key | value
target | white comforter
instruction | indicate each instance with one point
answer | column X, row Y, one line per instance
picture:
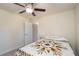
column 32, row 51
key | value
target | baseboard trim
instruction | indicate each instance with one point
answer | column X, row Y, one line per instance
column 10, row 50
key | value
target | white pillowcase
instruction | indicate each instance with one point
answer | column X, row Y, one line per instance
column 54, row 37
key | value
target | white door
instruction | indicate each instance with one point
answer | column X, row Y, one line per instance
column 28, row 33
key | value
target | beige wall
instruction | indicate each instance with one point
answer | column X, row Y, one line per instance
column 62, row 24
column 77, row 26
column 11, row 31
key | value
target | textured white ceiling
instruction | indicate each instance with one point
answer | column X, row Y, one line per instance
column 51, row 8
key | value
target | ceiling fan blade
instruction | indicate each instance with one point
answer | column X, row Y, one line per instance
column 22, row 11
column 39, row 9
column 33, row 14
column 19, row 4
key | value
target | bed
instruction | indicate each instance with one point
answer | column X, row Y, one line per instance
column 47, row 47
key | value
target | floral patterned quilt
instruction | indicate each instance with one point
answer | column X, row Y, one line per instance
column 46, row 47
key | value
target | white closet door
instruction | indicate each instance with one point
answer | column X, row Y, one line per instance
column 28, row 33
column 35, row 32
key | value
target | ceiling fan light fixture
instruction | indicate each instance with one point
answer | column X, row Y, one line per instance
column 29, row 10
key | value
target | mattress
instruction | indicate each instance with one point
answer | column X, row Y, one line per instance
column 47, row 47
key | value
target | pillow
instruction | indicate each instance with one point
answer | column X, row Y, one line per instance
column 54, row 38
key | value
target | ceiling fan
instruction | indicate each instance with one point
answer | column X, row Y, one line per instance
column 29, row 8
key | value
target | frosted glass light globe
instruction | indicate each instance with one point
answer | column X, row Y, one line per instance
column 29, row 10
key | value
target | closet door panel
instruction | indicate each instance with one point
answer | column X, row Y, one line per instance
column 28, row 33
